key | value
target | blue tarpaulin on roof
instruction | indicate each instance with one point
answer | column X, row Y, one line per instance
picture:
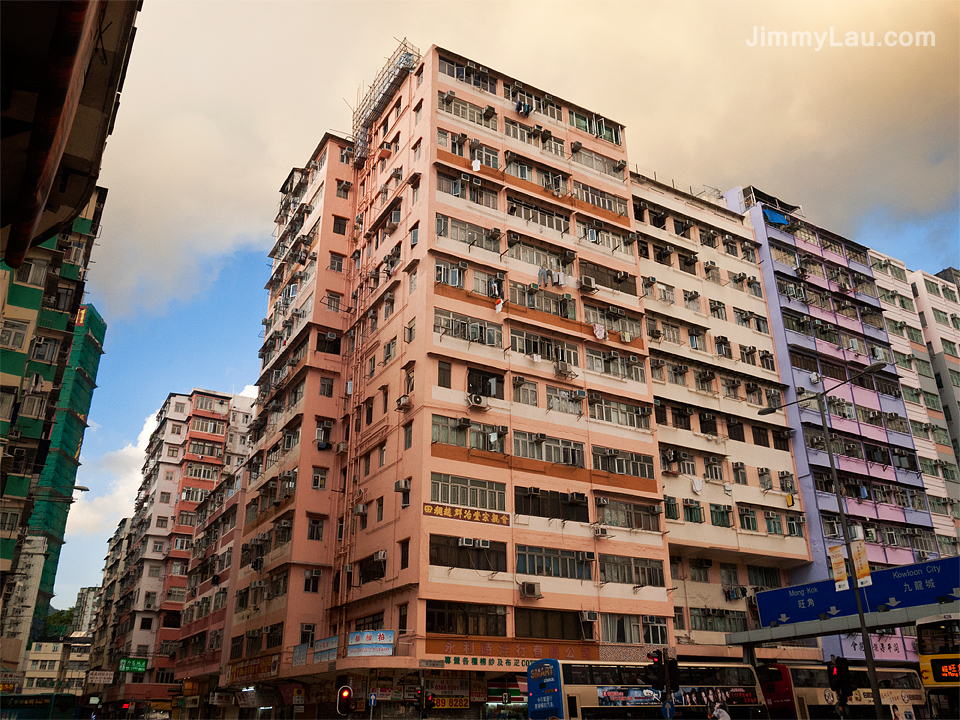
column 774, row 217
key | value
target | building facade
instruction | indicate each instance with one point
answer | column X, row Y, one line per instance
column 57, row 665
column 45, row 391
column 85, row 609
column 828, row 323
column 508, row 388
column 106, row 619
column 196, row 439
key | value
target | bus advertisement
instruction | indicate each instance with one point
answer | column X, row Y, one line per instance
column 608, row 691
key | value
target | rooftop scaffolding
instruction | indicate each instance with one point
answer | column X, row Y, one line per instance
column 387, row 82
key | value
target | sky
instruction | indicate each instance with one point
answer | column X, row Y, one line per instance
column 222, row 98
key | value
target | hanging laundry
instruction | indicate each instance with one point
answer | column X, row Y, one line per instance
column 543, row 275
column 626, row 337
column 600, row 332
column 562, row 279
column 498, row 306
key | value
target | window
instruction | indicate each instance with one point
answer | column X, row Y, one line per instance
column 314, row 529
column 467, row 492
column 625, row 629
column 404, row 551
column 729, row 574
column 748, row 519
column 448, row 551
column 443, row 374
column 340, row 225
column 467, row 618
column 763, row 576
column 698, row 572
column 631, row 571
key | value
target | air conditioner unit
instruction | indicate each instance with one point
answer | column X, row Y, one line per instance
column 564, row 368
column 589, row 616
column 402, row 485
column 478, row 401
column 465, row 542
column 449, row 96
column 341, row 448
column 588, row 283
column 315, row 572
column 360, row 509
column 656, row 510
column 540, row 437
column 533, row 491
column 530, row 590
column 770, row 514
column 380, row 556
column 687, row 502
column 611, row 452
column 404, row 403
column 600, row 532
column 577, row 497
column 602, row 501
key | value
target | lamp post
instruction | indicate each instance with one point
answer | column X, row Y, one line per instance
column 864, row 634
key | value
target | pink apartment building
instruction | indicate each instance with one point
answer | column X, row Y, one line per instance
column 200, row 438
column 466, row 455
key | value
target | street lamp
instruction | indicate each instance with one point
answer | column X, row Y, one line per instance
column 864, row 635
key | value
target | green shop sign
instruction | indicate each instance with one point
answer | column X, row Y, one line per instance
column 135, row 665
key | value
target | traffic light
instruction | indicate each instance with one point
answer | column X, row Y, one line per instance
column 418, row 698
column 841, row 683
column 834, row 674
column 673, row 675
column 429, row 703
column 654, row 671
column 344, row 699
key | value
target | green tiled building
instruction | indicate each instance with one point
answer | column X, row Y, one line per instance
column 49, row 354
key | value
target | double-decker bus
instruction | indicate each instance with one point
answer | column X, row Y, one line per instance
column 802, row 692
column 938, row 643
column 614, row 691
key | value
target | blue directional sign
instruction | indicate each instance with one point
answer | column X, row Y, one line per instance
column 800, row 603
column 904, row 586
column 912, row 585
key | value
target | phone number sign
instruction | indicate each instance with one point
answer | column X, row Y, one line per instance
column 452, row 703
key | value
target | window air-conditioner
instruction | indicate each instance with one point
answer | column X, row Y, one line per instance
column 530, row 590
column 589, row 615
column 380, row 555
column 465, row 542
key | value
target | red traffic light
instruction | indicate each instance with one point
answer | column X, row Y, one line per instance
column 345, row 693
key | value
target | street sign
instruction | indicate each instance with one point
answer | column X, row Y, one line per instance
column 668, row 710
column 100, row 677
column 372, row 699
column 134, row 665
column 905, row 586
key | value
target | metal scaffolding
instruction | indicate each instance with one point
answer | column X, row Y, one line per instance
column 387, row 82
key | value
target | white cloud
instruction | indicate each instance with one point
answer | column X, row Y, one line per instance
column 118, row 473
column 250, row 391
